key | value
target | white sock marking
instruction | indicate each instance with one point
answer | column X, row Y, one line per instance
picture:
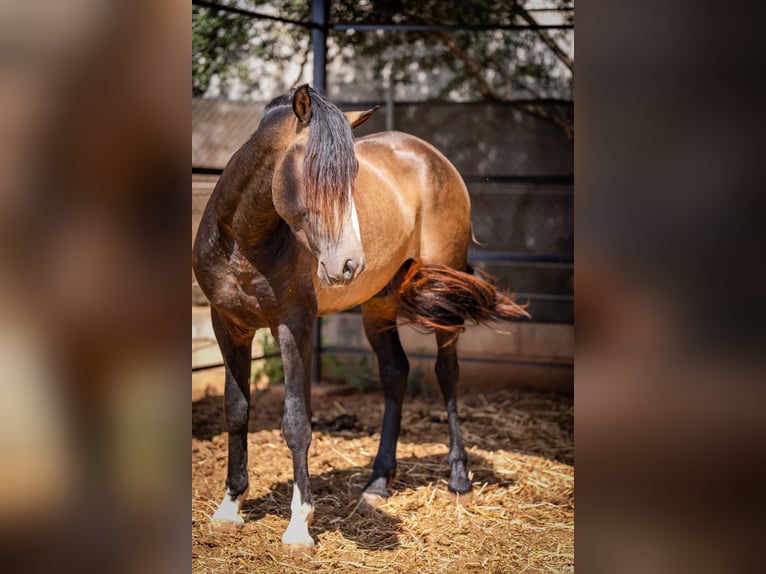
column 228, row 510
column 302, row 515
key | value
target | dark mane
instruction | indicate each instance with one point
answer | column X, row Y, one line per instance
column 329, row 166
column 283, row 100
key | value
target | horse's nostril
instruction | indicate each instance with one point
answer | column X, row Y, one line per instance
column 349, row 267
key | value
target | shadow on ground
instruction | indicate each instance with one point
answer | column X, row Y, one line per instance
column 337, row 494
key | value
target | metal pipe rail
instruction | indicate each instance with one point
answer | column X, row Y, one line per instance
column 371, row 27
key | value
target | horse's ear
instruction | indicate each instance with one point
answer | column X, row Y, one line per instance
column 357, row 118
column 302, row 104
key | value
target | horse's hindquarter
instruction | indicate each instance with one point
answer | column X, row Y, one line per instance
column 432, row 192
column 411, row 204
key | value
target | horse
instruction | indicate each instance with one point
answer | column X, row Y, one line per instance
column 306, row 220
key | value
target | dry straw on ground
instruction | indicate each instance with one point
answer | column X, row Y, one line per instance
column 520, row 517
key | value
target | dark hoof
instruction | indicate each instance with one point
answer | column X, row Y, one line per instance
column 459, row 483
column 460, row 486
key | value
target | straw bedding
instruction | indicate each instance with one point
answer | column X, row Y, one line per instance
column 519, row 518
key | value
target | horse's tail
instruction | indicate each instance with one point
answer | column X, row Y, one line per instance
column 439, row 298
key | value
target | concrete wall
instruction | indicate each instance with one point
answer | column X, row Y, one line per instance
column 505, row 354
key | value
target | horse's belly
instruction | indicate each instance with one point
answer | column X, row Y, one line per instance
column 334, row 299
column 376, row 276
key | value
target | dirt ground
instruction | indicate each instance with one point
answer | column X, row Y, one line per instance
column 520, row 517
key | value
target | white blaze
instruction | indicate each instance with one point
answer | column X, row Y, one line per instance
column 355, row 218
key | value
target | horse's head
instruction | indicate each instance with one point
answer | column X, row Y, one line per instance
column 313, row 185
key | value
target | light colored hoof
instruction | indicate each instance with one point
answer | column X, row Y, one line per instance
column 302, row 550
column 371, row 501
column 227, row 524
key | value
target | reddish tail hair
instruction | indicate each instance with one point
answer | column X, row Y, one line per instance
column 437, row 297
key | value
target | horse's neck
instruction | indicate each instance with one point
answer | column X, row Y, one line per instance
column 244, row 206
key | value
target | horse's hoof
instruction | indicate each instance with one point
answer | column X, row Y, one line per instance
column 371, row 501
column 375, row 494
column 226, row 517
column 228, row 524
column 459, row 484
column 302, row 550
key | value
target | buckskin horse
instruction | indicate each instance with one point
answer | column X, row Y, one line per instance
column 306, row 221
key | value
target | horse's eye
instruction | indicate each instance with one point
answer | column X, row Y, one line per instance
column 298, row 219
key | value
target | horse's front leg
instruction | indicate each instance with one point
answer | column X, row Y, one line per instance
column 236, row 350
column 294, row 336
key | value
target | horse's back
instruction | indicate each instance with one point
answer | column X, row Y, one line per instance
column 424, row 184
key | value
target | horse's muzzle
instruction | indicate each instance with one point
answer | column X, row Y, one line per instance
column 350, row 271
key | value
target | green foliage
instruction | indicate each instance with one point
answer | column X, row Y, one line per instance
column 219, row 42
column 272, row 369
column 418, row 383
column 355, row 373
column 483, row 65
column 488, row 65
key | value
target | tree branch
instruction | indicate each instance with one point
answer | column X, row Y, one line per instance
column 486, row 90
column 547, row 40
column 545, row 114
column 472, row 67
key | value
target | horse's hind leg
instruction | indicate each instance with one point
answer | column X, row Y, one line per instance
column 447, row 372
column 235, row 347
column 394, row 368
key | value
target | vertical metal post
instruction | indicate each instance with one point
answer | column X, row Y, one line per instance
column 320, row 12
column 390, row 99
column 316, row 354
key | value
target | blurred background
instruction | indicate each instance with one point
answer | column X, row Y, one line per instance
column 94, row 276
column 94, row 380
